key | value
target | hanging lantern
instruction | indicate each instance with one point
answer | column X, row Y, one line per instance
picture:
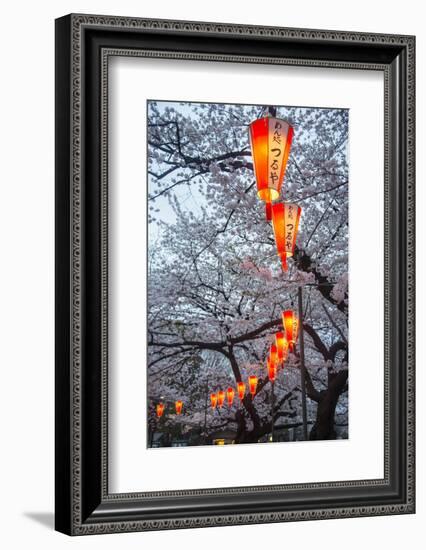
column 291, row 327
column 178, row 405
column 285, row 220
column 213, row 400
column 272, row 370
column 160, row 409
column 273, row 354
column 230, row 396
column 253, row 385
column 282, row 346
column 220, row 398
column 241, row 388
column 270, row 141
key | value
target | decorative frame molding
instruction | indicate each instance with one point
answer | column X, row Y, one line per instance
column 84, row 43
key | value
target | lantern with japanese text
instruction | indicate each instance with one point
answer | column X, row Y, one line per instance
column 160, row 409
column 252, row 385
column 213, row 400
column 220, row 398
column 270, row 141
column 285, row 221
column 282, row 346
column 241, row 388
column 291, row 327
column 230, row 395
column 178, row 405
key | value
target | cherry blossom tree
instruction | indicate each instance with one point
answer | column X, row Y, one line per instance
column 216, row 289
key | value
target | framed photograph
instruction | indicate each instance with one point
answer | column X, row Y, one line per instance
column 234, row 274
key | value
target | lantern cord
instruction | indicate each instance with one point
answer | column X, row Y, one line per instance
column 308, row 306
column 271, row 110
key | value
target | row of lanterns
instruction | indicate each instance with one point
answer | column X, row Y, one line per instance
column 217, row 399
column 270, row 141
column 278, row 353
column 284, row 342
column 160, row 407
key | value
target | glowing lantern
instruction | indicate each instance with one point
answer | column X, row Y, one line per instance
column 291, row 327
column 160, row 409
column 220, row 398
column 230, row 396
column 178, row 406
column 272, row 370
column 273, row 354
column 253, row 385
column 241, row 388
column 285, row 220
column 270, row 141
column 282, row 346
column 213, row 400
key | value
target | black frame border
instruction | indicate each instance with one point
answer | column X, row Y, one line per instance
column 83, row 45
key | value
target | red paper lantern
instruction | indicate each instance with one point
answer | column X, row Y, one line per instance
column 273, row 354
column 272, row 370
column 241, row 388
column 220, row 398
column 230, row 396
column 178, row 405
column 160, row 409
column 270, row 141
column 291, row 327
column 253, row 385
column 285, row 221
column 282, row 346
column 213, row 400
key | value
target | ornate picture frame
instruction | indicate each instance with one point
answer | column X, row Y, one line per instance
column 84, row 44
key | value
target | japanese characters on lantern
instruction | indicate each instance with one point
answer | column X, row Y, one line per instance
column 270, row 140
column 282, row 346
column 253, row 385
column 285, row 221
column 159, row 409
column 230, row 395
column 241, row 388
column 178, row 406
column 213, row 400
column 291, row 327
column 220, row 398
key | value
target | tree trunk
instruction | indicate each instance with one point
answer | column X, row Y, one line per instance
column 324, row 423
